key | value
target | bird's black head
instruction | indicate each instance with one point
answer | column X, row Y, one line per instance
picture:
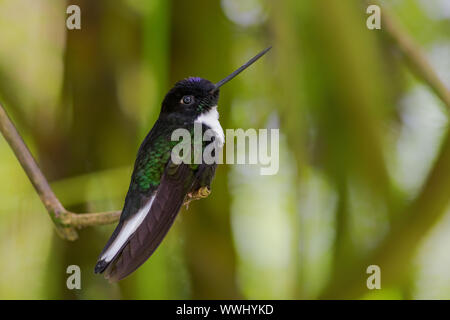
column 193, row 96
column 190, row 97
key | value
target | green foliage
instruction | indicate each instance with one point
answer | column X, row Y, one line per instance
column 363, row 170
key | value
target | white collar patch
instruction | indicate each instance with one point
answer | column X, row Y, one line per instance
column 211, row 119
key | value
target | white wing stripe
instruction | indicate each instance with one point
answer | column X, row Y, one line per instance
column 129, row 227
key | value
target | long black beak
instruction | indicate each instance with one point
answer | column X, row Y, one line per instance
column 240, row 69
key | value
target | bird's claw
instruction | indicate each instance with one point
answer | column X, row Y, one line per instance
column 201, row 193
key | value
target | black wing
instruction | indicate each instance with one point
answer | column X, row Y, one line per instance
column 176, row 182
column 135, row 199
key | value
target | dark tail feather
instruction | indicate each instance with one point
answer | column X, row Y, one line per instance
column 147, row 237
column 145, row 240
column 102, row 264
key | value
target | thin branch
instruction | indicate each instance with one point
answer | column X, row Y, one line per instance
column 91, row 219
column 396, row 251
column 40, row 183
column 414, row 57
column 65, row 221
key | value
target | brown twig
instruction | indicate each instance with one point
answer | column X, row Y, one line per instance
column 65, row 221
column 91, row 219
column 415, row 57
column 48, row 198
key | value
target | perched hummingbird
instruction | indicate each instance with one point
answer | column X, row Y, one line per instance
column 159, row 187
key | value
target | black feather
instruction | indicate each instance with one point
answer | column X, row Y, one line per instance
column 147, row 237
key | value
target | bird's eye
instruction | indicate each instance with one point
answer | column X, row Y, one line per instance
column 187, row 100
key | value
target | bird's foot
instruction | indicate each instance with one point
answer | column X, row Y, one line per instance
column 201, row 193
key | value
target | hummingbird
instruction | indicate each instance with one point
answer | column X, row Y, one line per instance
column 160, row 186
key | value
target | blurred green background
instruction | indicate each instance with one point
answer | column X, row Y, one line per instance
column 363, row 173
